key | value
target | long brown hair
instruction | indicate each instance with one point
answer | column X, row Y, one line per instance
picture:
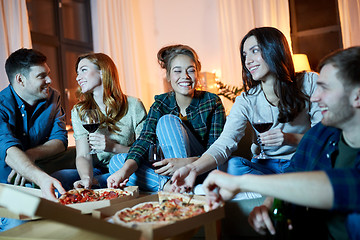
column 114, row 99
column 276, row 53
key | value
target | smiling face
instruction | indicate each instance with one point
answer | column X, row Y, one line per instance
column 254, row 61
column 183, row 75
column 36, row 83
column 88, row 76
column 332, row 98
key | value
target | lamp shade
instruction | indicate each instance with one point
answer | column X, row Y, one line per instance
column 301, row 62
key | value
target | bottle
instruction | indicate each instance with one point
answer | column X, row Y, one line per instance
column 280, row 217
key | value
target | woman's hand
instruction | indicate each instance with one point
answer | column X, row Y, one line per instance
column 276, row 137
column 167, row 167
column 101, row 142
column 183, row 179
column 85, row 183
column 117, row 179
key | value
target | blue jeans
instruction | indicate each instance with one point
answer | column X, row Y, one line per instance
column 353, row 225
column 67, row 177
column 239, row 166
column 8, row 223
column 176, row 141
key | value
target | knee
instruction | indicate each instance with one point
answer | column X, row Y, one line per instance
column 167, row 120
column 237, row 161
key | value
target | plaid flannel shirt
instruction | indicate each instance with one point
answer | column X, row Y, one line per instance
column 317, row 149
column 205, row 114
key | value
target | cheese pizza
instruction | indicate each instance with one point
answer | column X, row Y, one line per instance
column 171, row 207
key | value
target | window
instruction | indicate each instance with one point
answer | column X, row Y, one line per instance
column 61, row 29
column 315, row 28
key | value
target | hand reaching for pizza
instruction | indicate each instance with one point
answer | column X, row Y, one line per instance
column 48, row 186
column 167, row 167
column 85, row 183
column 220, row 186
column 183, row 179
column 117, row 180
column 16, row 179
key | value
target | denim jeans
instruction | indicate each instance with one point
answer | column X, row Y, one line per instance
column 67, row 177
column 8, row 223
column 239, row 166
column 176, row 141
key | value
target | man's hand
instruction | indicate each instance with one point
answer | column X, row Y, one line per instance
column 220, row 186
column 183, row 179
column 16, row 179
column 48, row 187
column 260, row 220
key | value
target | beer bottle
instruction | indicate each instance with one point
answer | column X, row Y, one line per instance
column 279, row 214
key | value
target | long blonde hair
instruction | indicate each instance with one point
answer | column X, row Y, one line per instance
column 114, row 99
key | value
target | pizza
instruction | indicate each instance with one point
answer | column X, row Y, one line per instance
column 82, row 195
column 170, row 208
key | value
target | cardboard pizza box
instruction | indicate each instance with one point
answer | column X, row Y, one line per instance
column 153, row 231
column 4, row 212
column 24, row 203
column 88, row 207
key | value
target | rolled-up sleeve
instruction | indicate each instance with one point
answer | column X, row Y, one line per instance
column 7, row 138
column 59, row 126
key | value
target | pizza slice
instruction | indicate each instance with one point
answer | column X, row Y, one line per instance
column 82, row 195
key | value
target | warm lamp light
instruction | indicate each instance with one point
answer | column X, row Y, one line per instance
column 301, row 62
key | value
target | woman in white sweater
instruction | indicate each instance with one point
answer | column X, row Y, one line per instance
column 121, row 121
column 269, row 80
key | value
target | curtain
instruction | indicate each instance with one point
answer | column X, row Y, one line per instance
column 117, row 33
column 349, row 11
column 14, row 32
column 236, row 18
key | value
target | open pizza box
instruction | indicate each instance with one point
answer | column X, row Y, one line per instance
column 163, row 231
column 85, row 208
column 23, row 203
column 88, row 207
column 5, row 212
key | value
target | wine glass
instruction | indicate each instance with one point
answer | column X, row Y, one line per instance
column 156, row 154
column 262, row 120
column 90, row 120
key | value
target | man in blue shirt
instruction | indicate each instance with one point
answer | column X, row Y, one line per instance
column 325, row 170
column 32, row 122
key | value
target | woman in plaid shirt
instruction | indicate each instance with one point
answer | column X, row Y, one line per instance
column 183, row 123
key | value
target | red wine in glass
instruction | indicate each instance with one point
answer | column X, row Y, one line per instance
column 262, row 127
column 155, row 154
column 91, row 127
column 262, row 120
column 90, row 120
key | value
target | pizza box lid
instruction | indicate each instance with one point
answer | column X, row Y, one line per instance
column 4, row 212
column 153, row 231
column 27, row 204
column 88, row 207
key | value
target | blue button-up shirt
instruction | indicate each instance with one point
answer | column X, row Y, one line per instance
column 316, row 151
column 46, row 122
